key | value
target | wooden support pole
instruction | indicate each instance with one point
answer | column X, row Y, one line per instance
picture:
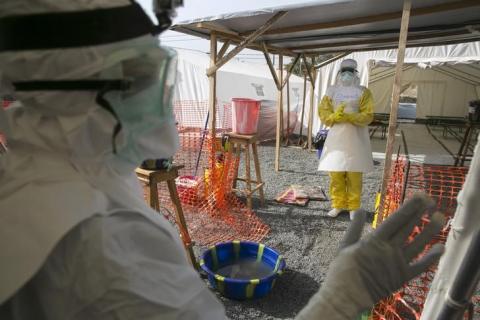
column 290, row 69
column 270, row 65
column 312, row 112
column 278, row 137
column 249, row 39
column 300, row 139
column 223, row 49
column 224, row 33
column 212, row 98
column 309, row 69
column 287, row 134
column 282, row 123
column 381, row 40
column 397, row 86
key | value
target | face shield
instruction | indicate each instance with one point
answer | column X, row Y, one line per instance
column 145, row 111
column 348, row 77
column 122, row 69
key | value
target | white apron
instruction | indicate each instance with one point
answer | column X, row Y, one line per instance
column 347, row 147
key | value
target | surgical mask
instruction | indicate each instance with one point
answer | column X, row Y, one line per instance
column 347, row 77
column 145, row 110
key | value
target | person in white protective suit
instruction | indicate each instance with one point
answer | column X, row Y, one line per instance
column 77, row 240
column 347, row 108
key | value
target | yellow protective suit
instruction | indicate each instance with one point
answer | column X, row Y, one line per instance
column 345, row 185
column 346, row 190
column 362, row 118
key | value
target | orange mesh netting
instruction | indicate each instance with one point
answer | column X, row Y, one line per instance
column 441, row 183
column 212, row 211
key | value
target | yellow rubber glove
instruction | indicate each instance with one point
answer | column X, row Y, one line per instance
column 326, row 113
column 339, row 114
column 365, row 115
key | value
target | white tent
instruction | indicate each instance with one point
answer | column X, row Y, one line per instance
column 234, row 80
column 447, row 77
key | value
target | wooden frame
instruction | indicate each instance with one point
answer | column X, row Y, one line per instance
column 389, row 46
column 392, row 126
column 311, row 113
column 300, row 138
column 378, row 40
column 286, row 137
column 278, row 136
column 224, row 49
column 246, row 41
column 270, row 65
column 212, row 79
column 290, row 69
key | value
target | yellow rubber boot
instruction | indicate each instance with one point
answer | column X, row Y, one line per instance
column 354, row 190
column 338, row 189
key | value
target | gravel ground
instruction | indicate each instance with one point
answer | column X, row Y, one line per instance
column 305, row 236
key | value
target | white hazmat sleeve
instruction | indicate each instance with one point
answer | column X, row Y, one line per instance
column 118, row 267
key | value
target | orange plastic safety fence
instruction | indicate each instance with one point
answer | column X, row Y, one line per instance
column 441, row 183
column 193, row 114
column 212, row 211
column 395, row 187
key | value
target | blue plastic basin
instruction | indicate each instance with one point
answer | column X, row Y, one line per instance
column 226, row 254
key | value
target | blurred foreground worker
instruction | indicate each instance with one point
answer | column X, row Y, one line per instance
column 77, row 240
column 347, row 108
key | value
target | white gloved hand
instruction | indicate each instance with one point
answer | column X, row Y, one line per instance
column 372, row 268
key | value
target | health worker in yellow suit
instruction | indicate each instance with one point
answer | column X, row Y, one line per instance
column 347, row 108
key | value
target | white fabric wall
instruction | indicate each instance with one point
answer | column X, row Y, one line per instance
column 426, row 56
column 234, row 80
column 439, row 94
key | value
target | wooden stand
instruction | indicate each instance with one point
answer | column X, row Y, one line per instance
column 151, row 178
column 238, row 141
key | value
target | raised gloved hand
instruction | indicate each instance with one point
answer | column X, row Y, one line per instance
column 372, row 268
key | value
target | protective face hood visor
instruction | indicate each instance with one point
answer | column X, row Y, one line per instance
column 144, row 111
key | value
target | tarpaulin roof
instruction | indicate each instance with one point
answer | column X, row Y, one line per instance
column 346, row 25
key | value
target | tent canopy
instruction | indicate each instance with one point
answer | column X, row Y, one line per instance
column 345, row 25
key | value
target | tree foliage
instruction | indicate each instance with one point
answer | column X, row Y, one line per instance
column 300, row 66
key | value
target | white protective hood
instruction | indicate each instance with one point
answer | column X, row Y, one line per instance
column 60, row 169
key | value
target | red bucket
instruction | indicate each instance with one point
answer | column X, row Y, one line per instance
column 245, row 114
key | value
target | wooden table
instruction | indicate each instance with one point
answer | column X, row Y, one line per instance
column 237, row 142
column 152, row 178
